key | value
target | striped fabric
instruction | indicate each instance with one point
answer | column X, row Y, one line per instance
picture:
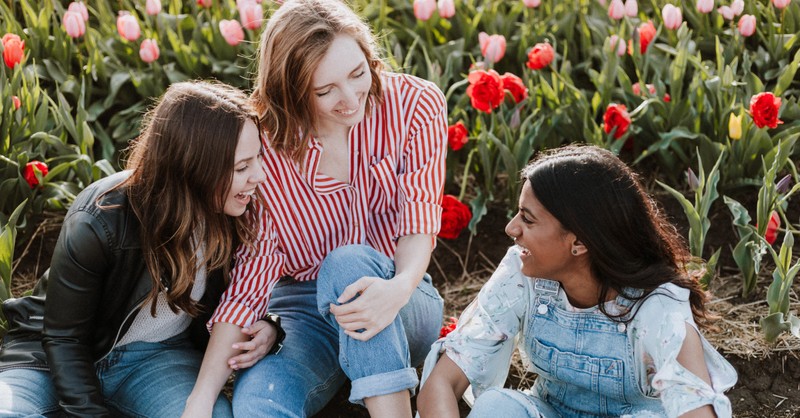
column 395, row 189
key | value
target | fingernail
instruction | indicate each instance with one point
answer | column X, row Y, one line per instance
column 235, row 346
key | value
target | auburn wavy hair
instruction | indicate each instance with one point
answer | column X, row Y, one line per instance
column 295, row 40
column 181, row 171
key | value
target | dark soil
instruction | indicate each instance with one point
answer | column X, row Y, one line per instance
column 767, row 387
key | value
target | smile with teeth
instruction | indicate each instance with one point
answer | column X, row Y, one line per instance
column 347, row 112
column 245, row 196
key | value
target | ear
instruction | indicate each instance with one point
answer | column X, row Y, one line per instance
column 578, row 248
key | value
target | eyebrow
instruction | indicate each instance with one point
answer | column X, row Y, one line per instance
column 360, row 66
column 527, row 212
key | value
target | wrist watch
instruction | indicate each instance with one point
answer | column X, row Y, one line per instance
column 275, row 320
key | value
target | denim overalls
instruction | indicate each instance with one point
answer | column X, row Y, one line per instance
column 584, row 360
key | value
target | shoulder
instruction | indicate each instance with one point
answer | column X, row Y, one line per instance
column 402, row 88
column 666, row 299
column 102, row 208
column 508, row 286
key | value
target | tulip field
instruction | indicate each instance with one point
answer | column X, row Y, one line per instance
column 701, row 97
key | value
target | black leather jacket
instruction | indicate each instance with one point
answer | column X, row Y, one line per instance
column 96, row 283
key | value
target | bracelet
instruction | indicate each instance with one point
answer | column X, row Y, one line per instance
column 275, row 320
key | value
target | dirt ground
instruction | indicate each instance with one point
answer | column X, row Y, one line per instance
column 769, row 376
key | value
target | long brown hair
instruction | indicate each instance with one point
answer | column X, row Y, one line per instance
column 631, row 245
column 182, row 167
column 293, row 44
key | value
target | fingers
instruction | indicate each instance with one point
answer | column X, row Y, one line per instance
column 247, row 359
column 361, row 336
column 354, row 289
column 255, row 327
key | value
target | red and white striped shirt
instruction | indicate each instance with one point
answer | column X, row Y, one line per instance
column 397, row 172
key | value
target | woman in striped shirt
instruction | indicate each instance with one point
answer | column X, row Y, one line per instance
column 355, row 170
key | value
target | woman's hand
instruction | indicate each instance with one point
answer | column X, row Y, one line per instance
column 377, row 303
column 262, row 337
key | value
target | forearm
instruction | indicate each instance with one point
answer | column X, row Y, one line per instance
column 411, row 260
column 214, row 371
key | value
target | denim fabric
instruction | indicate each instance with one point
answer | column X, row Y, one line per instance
column 509, row 403
column 317, row 357
column 27, row 393
column 137, row 380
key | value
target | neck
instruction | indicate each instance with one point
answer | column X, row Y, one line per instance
column 583, row 290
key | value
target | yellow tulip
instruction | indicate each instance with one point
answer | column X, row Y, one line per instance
column 735, row 126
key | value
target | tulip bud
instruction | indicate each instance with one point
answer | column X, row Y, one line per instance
column 73, row 24
column 17, row 103
column 148, row 51
column 705, row 6
column 747, row 25
column 771, row 234
column 737, row 6
column 80, row 8
column 493, row 47
column 631, row 8
column 152, row 7
column 781, row 4
column 617, row 45
column 232, row 31
column 726, row 12
column 735, row 126
column 423, row 9
column 251, row 14
column 531, row 4
column 13, row 49
column 616, row 10
column 447, row 9
column 30, row 170
column 205, row 3
column 691, row 178
column 783, row 184
column 128, row 26
column 672, row 16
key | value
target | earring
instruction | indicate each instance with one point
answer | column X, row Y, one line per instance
column 574, row 252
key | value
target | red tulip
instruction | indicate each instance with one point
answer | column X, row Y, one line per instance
column 205, row 3
column 647, row 31
column 515, row 86
column 17, row 103
column 540, row 56
column 30, row 170
column 616, row 116
column 485, row 90
column 457, row 136
column 771, row 234
column 455, row 217
column 13, row 49
column 448, row 327
column 764, row 109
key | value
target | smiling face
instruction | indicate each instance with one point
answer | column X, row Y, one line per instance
column 546, row 245
column 340, row 86
column 247, row 171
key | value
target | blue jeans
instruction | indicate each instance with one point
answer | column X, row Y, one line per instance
column 317, row 356
column 137, row 380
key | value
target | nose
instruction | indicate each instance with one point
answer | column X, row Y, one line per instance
column 511, row 228
column 350, row 98
column 259, row 176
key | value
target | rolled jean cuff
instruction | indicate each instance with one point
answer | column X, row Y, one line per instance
column 383, row 384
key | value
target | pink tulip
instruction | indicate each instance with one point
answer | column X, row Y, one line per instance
column 672, row 16
column 531, row 3
column 251, row 14
column 79, row 8
column 747, row 25
column 205, row 3
column 152, row 7
column 617, row 44
column 781, row 4
column 148, row 51
column 73, row 24
column 616, row 10
column 705, row 6
column 631, row 8
column 232, row 31
column 128, row 26
column 493, row 47
column 737, row 6
column 423, row 9
column 726, row 12
column 447, row 9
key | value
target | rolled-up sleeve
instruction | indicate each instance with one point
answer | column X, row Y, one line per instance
column 256, row 269
column 422, row 180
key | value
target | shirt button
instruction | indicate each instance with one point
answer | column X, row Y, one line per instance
column 541, row 309
column 621, row 327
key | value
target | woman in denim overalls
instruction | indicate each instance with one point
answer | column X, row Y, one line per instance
column 611, row 331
